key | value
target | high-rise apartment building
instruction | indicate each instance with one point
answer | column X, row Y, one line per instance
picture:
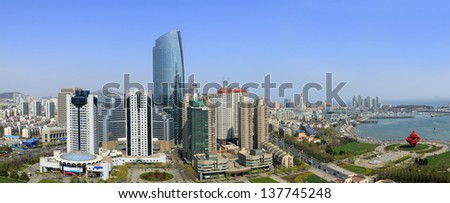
column 221, row 101
column 236, row 98
column 260, row 125
column 360, row 101
column 212, row 125
column 378, row 99
column 139, row 133
column 245, row 140
column 24, row 106
column 300, row 103
column 50, row 109
column 62, row 108
column 227, row 103
column 37, row 108
column 82, row 122
column 355, row 101
column 369, row 103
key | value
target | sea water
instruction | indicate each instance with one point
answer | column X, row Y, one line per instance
column 428, row 128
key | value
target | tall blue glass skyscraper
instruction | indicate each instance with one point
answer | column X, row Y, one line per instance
column 168, row 76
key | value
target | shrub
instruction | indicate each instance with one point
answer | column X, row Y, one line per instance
column 24, row 177
column 14, row 175
column 3, row 173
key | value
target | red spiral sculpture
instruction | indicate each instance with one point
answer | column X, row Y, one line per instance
column 413, row 139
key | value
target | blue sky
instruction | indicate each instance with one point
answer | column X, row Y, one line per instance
column 394, row 49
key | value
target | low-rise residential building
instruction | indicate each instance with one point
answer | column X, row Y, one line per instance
column 255, row 159
column 31, row 132
column 280, row 157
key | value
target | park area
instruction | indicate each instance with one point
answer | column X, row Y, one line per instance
column 418, row 147
column 439, row 162
column 306, row 177
column 8, row 180
column 356, row 169
column 422, row 148
column 354, row 148
column 156, row 176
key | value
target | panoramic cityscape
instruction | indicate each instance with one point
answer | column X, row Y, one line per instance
column 211, row 124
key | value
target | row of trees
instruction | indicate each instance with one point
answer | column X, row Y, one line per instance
column 17, row 163
column 329, row 140
column 15, row 175
column 311, row 149
column 413, row 175
column 10, row 167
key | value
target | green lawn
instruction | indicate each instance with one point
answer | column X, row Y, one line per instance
column 308, row 177
column 314, row 179
column 439, row 162
column 432, row 149
column 263, row 180
column 401, row 159
column 157, row 176
column 355, row 148
column 7, row 180
column 418, row 147
column 391, row 147
column 356, row 169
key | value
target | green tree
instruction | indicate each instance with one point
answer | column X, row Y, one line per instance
column 14, row 175
column 24, row 177
column 329, row 150
column 297, row 161
column 3, row 173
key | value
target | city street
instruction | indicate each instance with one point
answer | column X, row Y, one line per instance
column 334, row 171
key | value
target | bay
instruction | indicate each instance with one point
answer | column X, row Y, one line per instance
column 399, row 129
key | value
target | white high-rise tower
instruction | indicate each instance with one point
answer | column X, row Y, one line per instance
column 139, row 123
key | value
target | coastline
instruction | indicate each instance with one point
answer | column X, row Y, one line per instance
column 351, row 131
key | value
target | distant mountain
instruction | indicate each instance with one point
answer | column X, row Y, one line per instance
column 7, row 95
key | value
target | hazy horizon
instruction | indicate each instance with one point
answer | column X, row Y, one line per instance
column 397, row 50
